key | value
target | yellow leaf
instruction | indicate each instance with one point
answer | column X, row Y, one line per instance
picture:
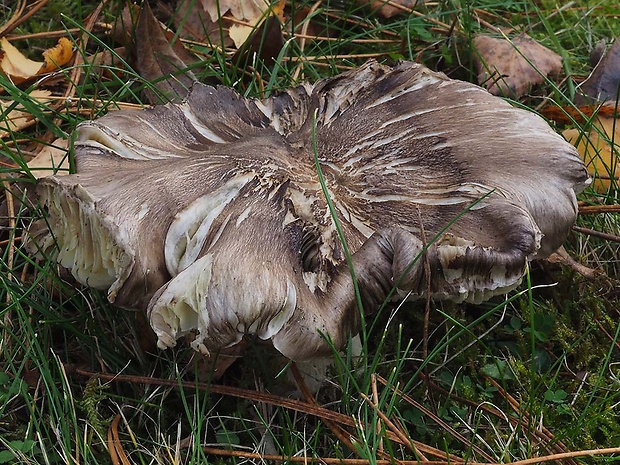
column 239, row 33
column 19, row 68
column 18, row 117
column 57, row 56
column 15, row 65
column 51, row 160
column 597, row 151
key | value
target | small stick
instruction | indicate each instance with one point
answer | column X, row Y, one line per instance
column 595, row 209
column 375, row 398
column 599, row 234
column 17, row 17
column 336, row 429
column 304, row 35
column 402, row 436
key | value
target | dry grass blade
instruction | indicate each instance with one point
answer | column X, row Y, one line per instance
column 11, row 214
column 439, row 421
column 542, row 435
column 409, row 444
column 296, row 405
column 340, row 461
column 335, row 428
column 117, row 453
column 321, row 460
column 414, row 12
column 79, row 58
column 19, row 17
column 299, row 406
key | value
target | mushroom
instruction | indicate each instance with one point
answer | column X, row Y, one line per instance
column 210, row 214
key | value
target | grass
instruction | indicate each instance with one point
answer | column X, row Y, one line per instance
column 536, row 373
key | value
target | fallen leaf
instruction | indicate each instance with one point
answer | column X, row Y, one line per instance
column 243, row 10
column 16, row 117
column 19, row 68
column 15, row 65
column 595, row 147
column 512, row 67
column 124, row 25
column 227, row 23
column 265, row 42
column 53, row 159
column 242, row 33
column 193, row 22
column 161, row 62
column 603, row 84
column 387, row 10
column 57, row 56
column 109, row 62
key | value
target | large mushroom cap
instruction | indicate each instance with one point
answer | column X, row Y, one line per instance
column 210, row 213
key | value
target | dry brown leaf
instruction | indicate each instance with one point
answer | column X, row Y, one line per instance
column 19, row 68
column 18, row 118
column 598, row 154
column 193, row 22
column 51, row 160
column 109, row 62
column 512, row 67
column 160, row 61
column 265, row 42
column 604, row 82
column 391, row 8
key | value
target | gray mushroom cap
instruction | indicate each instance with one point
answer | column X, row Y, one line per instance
column 210, row 215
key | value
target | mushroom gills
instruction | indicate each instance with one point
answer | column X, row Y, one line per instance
column 90, row 246
column 195, row 302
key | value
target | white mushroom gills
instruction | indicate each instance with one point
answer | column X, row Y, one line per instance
column 91, row 247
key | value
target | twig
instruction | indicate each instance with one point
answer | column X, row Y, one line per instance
column 341, row 461
column 19, row 17
column 335, row 428
column 407, row 442
column 599, row 234
column 595, row 209
column 117, row 453
column 555, row 445
column 609, row 336
column 437, row 420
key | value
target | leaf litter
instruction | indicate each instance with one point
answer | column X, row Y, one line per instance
column 511, row 67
